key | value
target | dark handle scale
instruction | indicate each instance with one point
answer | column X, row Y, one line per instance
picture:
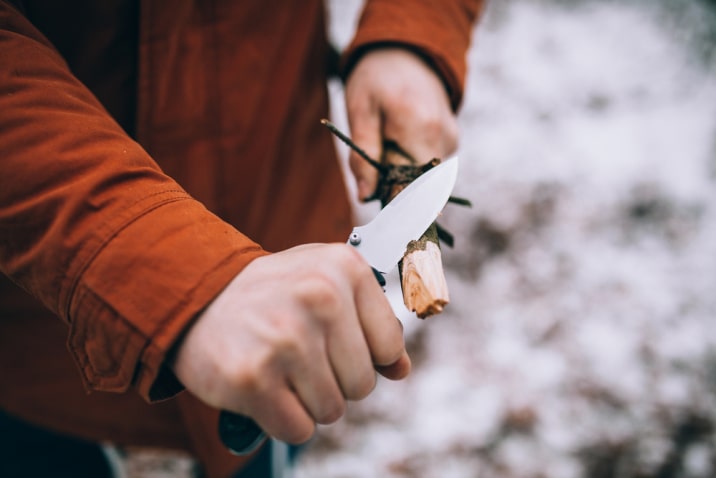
column 241, row 434
column 379, row 276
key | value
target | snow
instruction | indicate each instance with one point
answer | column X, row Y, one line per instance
column 580, row 337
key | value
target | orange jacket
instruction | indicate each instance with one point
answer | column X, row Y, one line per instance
column 146, row 150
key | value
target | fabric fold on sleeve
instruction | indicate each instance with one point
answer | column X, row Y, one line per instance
column 142, row 289
column 91, row 226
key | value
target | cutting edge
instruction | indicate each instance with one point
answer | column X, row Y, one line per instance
column 382, row 241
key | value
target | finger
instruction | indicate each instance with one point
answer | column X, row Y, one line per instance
column 365, row 125
column 344, row 346
column 327, row 358
column 426, row 128
column 382, row 332
column 316, row 385
column 428, row 131
column 351, row 359
column 397, row 370
column 282, row 416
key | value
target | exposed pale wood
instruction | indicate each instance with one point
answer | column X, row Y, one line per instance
column 425, row 290
column 422, row 277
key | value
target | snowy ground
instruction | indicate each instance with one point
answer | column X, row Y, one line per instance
column 581, row 337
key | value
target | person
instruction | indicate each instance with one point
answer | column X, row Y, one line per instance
column 153, row 153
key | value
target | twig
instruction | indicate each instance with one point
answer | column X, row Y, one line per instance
column 380, row 167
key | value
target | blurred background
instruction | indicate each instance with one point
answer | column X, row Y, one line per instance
column 581, row 336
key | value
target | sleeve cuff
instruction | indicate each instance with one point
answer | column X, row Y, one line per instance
column 439, row 32
column 141, row 291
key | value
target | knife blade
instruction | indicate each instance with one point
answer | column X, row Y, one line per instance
column 382, row 243
column 383, row 240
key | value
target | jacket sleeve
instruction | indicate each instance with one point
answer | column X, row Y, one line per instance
column 91, row 226
column 437, row 30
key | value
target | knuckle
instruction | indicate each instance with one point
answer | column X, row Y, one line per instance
column 320, row 290
column 245, row 378
column 343, row 258
column 283, row 333
column 351, row 260
column 450, row 138
column 437, row 128
column 388, row 352
column 346, row 255
column 290, row 346
column 331, row 413
column 297, row 435
column 433, row 127
column 363, row 387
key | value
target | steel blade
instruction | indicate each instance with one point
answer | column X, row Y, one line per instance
column 383, row 240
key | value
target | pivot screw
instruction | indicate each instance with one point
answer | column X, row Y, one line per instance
column 354, row 239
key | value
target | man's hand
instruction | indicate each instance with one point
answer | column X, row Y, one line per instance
column 393, row 94
column 291, row 338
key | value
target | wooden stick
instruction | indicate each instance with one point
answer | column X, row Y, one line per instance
column 422, row 277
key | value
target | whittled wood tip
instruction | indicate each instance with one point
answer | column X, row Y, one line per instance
column 425, row 290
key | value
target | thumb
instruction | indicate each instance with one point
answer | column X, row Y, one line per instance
column 366, row 125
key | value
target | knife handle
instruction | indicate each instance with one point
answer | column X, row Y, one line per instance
column 239, row 433
column 379, row 276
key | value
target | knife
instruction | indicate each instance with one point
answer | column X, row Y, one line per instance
column 382, row 243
